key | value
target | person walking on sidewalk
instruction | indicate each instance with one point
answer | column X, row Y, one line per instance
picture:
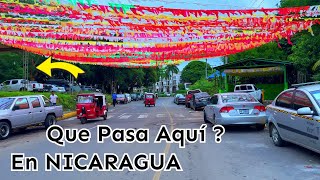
column 114, row 99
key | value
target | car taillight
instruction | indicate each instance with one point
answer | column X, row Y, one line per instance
column 226, row 109
column 260, row 108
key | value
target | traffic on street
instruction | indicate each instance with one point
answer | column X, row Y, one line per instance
column 244, row 152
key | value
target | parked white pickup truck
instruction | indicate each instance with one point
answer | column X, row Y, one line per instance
column 251, row 89
column 23, row 111
column 15, row 85
column 38, row 87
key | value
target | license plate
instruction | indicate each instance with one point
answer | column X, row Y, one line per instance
column 244, row 111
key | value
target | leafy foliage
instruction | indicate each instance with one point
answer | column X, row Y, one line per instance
column 193, row 72
column 205, row 86
column 108, row 78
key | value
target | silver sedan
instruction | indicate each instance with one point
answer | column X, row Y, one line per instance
column 235, row 109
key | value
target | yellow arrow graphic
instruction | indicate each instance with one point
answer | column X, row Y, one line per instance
column 47, row 66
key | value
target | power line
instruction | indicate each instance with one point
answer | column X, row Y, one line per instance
column 260, row 4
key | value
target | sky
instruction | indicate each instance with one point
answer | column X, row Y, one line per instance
column 199, row 4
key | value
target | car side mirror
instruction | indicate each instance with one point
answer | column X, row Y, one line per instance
column 305, row 111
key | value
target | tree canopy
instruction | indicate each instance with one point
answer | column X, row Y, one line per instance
column 194, row 71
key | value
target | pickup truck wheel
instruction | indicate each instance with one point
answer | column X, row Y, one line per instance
column 50, row 120
column 5, row 130
column 83, row 120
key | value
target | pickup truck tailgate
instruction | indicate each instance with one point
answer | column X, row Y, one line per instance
column 57, row 110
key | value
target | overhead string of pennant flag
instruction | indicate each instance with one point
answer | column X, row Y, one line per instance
column 119, row 35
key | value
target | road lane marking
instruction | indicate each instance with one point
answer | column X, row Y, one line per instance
column 124, row 117
column 109, row 116
column 160, row 115
column 168, row 145
column 141, row 116
column 178, row 115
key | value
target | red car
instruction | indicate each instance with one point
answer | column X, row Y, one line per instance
column 189, row 96
column 149, row 99
column 91, row 106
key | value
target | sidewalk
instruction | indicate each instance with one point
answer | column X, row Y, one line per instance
column 67, row 115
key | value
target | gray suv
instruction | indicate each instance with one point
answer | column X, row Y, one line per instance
column 294, row 116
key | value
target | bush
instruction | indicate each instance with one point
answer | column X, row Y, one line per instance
column 205, row 86
column 109, row 98
column 181, row 86
column 68, row 101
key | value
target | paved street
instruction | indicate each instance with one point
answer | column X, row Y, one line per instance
column 243, row 154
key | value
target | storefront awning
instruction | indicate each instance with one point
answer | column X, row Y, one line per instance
column 254, row 72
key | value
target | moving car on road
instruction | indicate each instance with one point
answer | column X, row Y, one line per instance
column 189, row 96
column 199, row 100
column 294, row 116
column 121, row 98
column 251, row 89
column 179, row 99
column 24, row 111
column 149, row 99
column 235, row 109
column 91, row 106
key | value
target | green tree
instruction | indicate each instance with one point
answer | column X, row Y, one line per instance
column 294, row 3
column 194, row 71
column 150, row 76
column 170, row 70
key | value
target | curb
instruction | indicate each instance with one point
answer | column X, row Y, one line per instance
column 67, row 115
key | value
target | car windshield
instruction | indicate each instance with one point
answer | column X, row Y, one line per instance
column 5, row 103
column 316, row 95
column 85, row 99
column 149, row 96
column 237, row 98
column 120, row 96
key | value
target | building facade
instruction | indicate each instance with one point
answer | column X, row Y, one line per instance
column 168, row 85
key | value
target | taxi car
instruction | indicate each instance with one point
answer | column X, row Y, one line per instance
column 294, row 116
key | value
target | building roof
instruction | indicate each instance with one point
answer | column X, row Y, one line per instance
column 253, row 63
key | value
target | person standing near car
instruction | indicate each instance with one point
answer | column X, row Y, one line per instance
column 53, row 99
column 114, row 99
